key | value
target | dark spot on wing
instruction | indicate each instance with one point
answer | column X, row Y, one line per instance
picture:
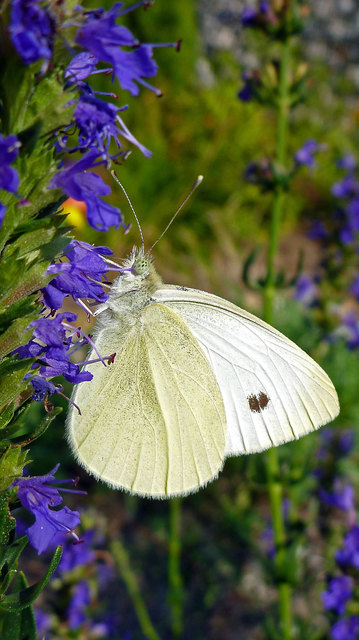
column 182, row 288
column 258, row 403
column 254, row 404
column 263, row 400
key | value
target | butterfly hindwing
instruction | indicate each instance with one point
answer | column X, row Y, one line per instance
column 152, row 422
column 273, row 391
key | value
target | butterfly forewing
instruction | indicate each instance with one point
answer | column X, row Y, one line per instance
column 273, row 391
column 153, row 422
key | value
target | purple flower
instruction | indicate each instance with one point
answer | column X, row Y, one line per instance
column 251, row 80
column 347, row 162
column 248, row 16
column 9, row 177
column 87, row 187
column 43, row 621
column 351, row 328
column 354, row 287
column 98, row 122
column 305, row 155
column 346, row 629
column 350, row 552
column 346, row 188
column 339, row 591
column 306, row 290
column 42, row 387
column 53, row 351
column 85, row 265
column 80, row 67
column 39, row 496
column 346, row 441
column 342, row 497
column 31, row 30
column 251, row 17
column 318, row 231
column 76, row 613
column 76, row 555
column 104, row 39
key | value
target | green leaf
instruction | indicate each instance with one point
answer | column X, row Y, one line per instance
column 16, row 335
column 7, row 415
column 39, row 235
column 247, row 268
column 18, row 625
column 20, row 600
column 7, row 522
column 37, row 172
column 18, row 309
column 30, row 436
column 9, row 555
column 12, row 462
column 12, row 372
column 24, row 281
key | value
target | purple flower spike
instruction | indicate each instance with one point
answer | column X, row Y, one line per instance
column 76, row 555
column 85, row 262
column 347, row 162
column 104, row 39
column 76, row 613
column 318, row 231
column 31, row 30
column 346, row 442
column 251, row 17
column 39, row 496
column 349, row 555
column 87, row 187
column 342, row 496
column 346, row 629
column 42, row 387
column 248, row 16
column 249, row 78
column 339, row 591
column 306, row 290
column 305, row 155
column 345, row 188
column 80, row 67
column 43, row 621
column 9, row 177
column 351, row 327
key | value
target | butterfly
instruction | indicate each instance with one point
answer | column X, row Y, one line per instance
column 195, row 379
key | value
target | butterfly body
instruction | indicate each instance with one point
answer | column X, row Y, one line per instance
column 195, row 379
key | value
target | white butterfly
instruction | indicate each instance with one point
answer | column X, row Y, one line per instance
column 195, row 379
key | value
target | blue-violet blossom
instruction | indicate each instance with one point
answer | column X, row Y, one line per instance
column 32, row 29
column 349, row 554
column 80, row 184
column 346, row 629
column 305, row 155
column 339, row 591
column 38, row 495
column 9, row 177
column 76, row 277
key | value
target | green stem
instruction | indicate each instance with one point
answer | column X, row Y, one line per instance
column 275, row 488
column 174, row 570
column 129, row 577
column 280, row 158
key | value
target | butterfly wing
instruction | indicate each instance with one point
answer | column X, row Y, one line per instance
column 273, row 391
column 152, row 422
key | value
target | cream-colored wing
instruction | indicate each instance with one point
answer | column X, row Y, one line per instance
column 273, row 392
column 153, row 422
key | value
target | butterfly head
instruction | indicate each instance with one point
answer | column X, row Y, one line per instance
column 137, row 272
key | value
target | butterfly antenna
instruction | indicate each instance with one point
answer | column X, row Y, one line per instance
column 193, row 188
column 130, row 203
